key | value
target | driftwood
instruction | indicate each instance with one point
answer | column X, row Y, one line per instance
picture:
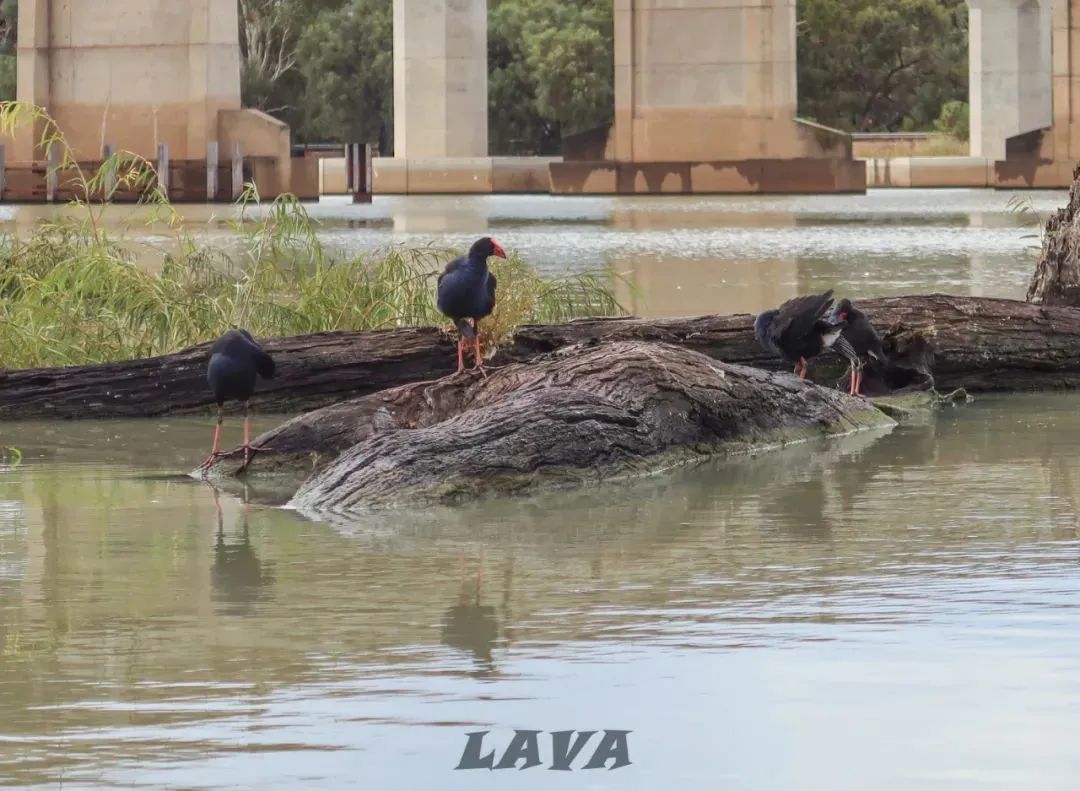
column 1056, row 280
column 978, row 344
column 583, row 414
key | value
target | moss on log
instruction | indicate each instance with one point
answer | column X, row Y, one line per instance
column 580, row 415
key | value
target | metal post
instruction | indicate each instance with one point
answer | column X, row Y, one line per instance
column 358, row 176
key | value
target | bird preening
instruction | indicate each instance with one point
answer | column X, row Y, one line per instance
column 804, row 327
column 236, row 362
column 862, row 337
column 466, row 291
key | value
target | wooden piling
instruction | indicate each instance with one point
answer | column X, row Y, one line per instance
column 109, row 185
column 3, row 171
column 237, row 170
column 52, row 173
column 211, row 171
column 163, row 168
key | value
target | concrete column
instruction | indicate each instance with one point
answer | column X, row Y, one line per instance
column 1009, row 72
column 32, row 72
column 213, row 70
column 440, row 78
column 1065, row 140
column 135, row 74
column 707, row 80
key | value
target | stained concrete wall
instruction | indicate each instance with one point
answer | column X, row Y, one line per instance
column 1009, row 65
column 133, row 74
column 440, row 78
column 707, row 80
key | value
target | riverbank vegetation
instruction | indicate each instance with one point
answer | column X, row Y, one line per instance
column 82, row 287
column 76, row 291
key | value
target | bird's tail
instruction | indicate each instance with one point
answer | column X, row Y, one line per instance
column 846, row 350
column 465, row 328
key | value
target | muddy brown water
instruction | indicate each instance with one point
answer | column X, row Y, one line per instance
column 894, row 609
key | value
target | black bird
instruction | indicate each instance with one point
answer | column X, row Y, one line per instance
column 236, row 359
column 862, row 336
column 466, row 291
column 799, row 330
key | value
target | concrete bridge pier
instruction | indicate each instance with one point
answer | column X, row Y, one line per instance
column 142, row 73
column 1009, row 72
column 440, row 98
column 705, row 101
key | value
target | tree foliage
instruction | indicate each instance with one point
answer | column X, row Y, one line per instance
column 9, row 17
column 550, row 71
column 881, row 65
column 347, row 65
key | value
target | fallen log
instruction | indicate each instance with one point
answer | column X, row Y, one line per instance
column 580, row 415
column 312, row 371
column 979, row 344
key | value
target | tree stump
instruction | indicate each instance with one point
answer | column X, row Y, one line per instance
column 1056, row 280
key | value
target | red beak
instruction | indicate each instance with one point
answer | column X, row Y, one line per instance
column 498, row 251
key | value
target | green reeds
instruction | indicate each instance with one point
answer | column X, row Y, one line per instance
column 75, row 292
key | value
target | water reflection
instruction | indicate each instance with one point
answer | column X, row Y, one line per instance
column 237, row 574
column 159, row 634
column 691, row 255
column 471, row 626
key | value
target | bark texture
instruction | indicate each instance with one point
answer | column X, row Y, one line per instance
column 1057, row 274
column 580, row 415
column 975, row 343
column 312, row 371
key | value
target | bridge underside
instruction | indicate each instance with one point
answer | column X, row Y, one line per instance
column 705, row 98
column 717, row 111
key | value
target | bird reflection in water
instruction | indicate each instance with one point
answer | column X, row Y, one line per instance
column 237, row 575
column 469, row 625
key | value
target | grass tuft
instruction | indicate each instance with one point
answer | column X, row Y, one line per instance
column 73, row 293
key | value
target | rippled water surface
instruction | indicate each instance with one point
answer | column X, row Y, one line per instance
column 889, row 610
column 708, row 254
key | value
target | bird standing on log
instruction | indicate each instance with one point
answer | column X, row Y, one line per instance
column 799, row 330
column 466, row 291
column 862, row 337
column 236, row 360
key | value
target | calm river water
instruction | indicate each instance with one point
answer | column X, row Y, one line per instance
column 889, row 610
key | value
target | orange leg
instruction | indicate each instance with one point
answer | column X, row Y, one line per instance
column 216, row 450
column 461, row 355
column 476, row 348
column 802, row 367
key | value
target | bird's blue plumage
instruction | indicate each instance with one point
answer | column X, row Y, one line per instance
column 763, row 331
column 236, row 360
column 467, row 287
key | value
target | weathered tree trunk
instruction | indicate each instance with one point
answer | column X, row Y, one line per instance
column 978, row 344
column 577, row 416
column 313, row 370
column 1057, row 274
